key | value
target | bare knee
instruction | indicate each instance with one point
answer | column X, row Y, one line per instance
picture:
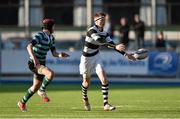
column 86, row 82
column 104, row 80
column 50, row 74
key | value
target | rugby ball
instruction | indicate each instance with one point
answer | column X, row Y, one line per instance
column 141, row 54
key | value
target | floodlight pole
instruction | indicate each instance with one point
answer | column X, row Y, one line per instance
column 89, row 12
column 26, row 19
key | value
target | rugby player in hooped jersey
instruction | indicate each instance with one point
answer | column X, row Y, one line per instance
column 91, row 60
column 42, row 42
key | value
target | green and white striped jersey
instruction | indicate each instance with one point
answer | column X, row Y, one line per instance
column 42, row 43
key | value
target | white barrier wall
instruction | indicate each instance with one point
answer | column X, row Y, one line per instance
column 15, row 61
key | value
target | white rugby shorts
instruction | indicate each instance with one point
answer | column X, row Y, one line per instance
column 89, row 65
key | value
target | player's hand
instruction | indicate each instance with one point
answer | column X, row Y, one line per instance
column 63, row 55
column 120, row 47
column 130, row 57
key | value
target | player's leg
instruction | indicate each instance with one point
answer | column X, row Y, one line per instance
column 30, row 92
column 49, row 74
column 104, row 87
column 84, row 68
column 84, row 86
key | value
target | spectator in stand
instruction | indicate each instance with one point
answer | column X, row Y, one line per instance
column 124, row 31
column 139, row 29
column 161, row 42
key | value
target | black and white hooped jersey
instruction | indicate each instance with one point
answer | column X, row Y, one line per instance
column 94, row 39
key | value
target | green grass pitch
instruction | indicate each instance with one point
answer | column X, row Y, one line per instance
column 130, row 101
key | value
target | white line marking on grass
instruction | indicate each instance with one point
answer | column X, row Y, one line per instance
column 95, row 107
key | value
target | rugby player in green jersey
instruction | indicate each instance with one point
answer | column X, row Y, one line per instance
column 42, row 42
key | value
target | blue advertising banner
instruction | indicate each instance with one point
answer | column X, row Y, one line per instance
column 163, row 63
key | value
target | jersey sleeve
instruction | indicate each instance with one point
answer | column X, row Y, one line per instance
column 36, row 39
column 108, row 38
column 94, row 35
column 53, row 47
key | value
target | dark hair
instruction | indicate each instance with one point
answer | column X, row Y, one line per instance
column 48, row 24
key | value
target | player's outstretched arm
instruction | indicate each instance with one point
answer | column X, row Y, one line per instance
column 60, row 55
column 121, row 49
